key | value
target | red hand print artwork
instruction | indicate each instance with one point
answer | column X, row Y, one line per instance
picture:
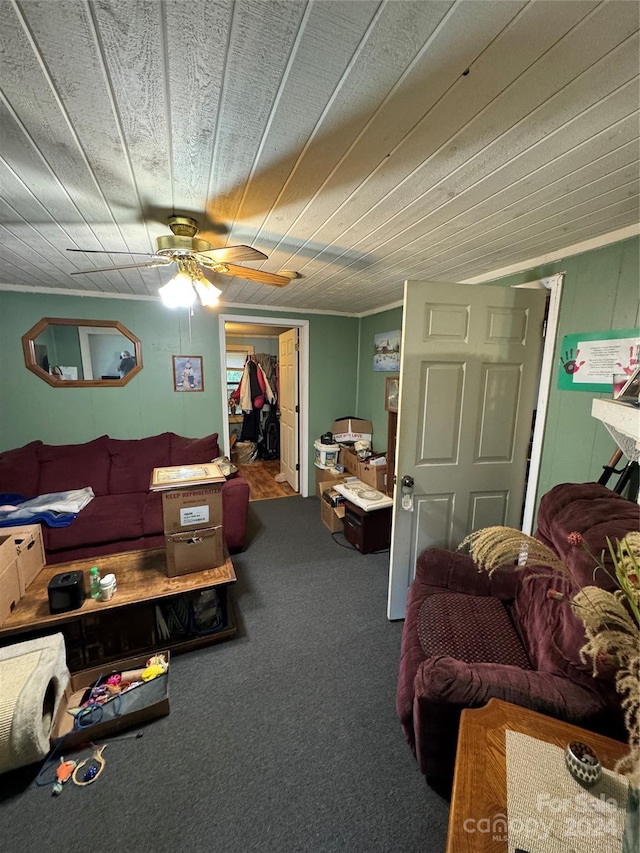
column 570, row 363
column 633, row 361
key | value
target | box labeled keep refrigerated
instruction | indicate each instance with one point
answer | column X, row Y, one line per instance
column 148, row 701
column 29, row 550
column 191, row 496
column 351, row 429
column 187, row 509
column 194, row 551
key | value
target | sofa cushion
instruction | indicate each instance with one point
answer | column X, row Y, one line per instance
column 19, row 470
column 552, row 633
column 110, row 518
column 190, row 451
column 132, row 462
column 469, row 628
column 152, row 520
column 74, row 466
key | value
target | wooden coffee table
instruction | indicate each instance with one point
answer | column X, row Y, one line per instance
column 480, row 782
column 91, row 631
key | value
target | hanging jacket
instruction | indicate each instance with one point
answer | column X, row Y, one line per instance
column 242, row 394
column 254, row 387
column 267, row 390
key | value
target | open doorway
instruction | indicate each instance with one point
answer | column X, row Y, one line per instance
column 267, row 441
column 553, row 284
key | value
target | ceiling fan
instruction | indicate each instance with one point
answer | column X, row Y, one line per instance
column 189, row 252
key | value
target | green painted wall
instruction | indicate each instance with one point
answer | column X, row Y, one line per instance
column 600, row 292
column 371, row 384
column 31, row 409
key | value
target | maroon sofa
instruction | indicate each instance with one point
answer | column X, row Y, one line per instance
column 124, row 515
column 468, row 638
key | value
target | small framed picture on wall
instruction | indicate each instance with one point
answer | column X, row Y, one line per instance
column 391, row 389
column 386, row 351
column 187, row 373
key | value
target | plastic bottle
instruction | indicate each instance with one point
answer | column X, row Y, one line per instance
column 94, row 582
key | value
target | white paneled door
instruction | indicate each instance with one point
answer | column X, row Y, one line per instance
column 289, row 406
column 468, row 384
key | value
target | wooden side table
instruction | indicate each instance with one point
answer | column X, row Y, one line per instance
column 480, row 781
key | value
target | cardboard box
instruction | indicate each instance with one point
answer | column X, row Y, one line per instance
column 192, row 508
column 331, row 516
column 9, row 578
column 30, row 551
column 190, row 495
column 326, row 477
column 146, row 702
column 333, row 497
column 349, row 459
column 8, row 552
column 194, row 551
column 351, row 429
column 373, row 475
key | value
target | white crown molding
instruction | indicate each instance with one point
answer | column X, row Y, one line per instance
column 391, row 305
column 522, row 266
column 61, row 291
column 558, row 255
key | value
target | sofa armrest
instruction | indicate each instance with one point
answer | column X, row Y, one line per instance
column 471, row 685
column 444, row 686
column 439, row 570
column 235, row 508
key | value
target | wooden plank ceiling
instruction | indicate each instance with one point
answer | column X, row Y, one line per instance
column 359, row 143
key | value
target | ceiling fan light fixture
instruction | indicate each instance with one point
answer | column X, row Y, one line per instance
column 207, row 292
column 178, row 292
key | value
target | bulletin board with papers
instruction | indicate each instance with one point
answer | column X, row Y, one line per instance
column 588, row 360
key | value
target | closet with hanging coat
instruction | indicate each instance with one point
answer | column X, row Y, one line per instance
column 258, row 402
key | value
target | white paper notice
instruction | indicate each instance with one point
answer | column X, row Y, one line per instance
column 194, row 515
column 597, row 361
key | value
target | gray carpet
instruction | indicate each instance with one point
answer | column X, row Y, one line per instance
column 282, row 740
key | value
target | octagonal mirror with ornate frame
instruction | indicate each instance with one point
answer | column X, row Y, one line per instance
column 82, row 353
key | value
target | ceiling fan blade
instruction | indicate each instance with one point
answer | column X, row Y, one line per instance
column 107, row 252
column 234, row 253
column 253, row 275
column 157, row 263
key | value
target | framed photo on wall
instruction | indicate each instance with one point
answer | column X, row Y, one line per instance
column 386, row 351
column 187, row 373
column 391, row 389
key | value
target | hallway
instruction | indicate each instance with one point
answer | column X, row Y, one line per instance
column 261, row 478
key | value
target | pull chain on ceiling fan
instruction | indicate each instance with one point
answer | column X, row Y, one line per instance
column 190, row 254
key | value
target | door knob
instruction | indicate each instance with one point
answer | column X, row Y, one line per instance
column 406, row 492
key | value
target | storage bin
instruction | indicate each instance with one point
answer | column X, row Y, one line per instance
column 326, row 454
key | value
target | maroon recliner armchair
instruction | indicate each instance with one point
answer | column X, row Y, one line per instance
column 468, row 637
